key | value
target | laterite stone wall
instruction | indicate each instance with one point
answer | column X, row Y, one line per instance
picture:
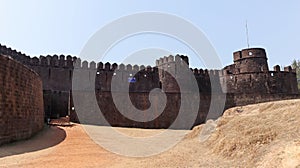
column 21, row 101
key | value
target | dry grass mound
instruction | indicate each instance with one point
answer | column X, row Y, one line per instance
column 249, row 134
column 260, row 135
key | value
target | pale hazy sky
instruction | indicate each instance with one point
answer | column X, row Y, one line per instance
column 38, row 27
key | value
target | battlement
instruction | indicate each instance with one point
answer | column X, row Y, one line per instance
column 179, row 59
column 205, row 72
column 258, row 81
column 246, row 62
column 252, row 60
column 249, row 53
column 53, row 61
column 276, row 68
column 16, row 55
column 49, row 61
column 10, row 52
column 112, row 67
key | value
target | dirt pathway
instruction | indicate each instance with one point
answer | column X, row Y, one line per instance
column 76, row 150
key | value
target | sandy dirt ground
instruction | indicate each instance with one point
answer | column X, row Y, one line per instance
column 261, row 135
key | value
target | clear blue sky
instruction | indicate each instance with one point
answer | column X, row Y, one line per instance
column 38, row 27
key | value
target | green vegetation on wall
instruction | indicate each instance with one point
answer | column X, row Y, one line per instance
column 296, row 65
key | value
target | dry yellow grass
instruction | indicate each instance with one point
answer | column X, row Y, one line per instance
column 260, row 135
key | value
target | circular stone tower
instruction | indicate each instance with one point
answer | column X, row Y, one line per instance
column 251, row 60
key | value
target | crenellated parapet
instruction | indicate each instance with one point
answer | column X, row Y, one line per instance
column 55, row 61
column 261, row 82
column 277, row 68
column 16, row 55
column 100, row 66
column 174, row 68
column 249, row 73
column 139, row 78
column 250, row 60
column 205, row 72
column 46, row 61
column 180, row 60
column 283, row 81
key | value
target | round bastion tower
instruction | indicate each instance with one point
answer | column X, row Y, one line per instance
column 250, row 60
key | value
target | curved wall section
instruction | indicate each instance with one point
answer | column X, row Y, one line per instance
column 21, row 101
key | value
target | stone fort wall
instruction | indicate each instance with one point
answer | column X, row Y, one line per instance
column 146, row 79
column 21, row 101
column 247, row 81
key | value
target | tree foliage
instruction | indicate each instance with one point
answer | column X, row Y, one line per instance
column 296, row 65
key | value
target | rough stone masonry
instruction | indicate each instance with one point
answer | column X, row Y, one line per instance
column 248, row 80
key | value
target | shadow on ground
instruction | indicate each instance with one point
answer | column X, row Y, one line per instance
column 48, row 137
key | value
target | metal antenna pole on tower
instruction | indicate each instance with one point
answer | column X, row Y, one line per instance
column 247, row 34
